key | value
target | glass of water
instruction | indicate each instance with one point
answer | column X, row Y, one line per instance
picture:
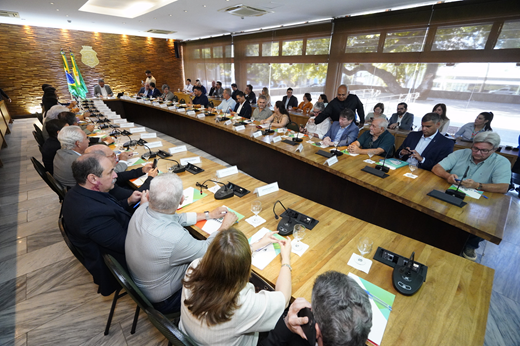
column 413, row 165
column 298, row 233
column 364, row 246
column 256, row 208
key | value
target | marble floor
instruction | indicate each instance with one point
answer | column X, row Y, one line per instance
column 48, row 298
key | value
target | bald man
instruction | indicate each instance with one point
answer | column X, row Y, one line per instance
column 343, row 100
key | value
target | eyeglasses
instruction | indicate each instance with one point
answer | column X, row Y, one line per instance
column 483, row 151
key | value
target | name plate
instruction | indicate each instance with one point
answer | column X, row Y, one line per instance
column 164, row 105
column 181, row 110
column 300, row 148
column 178, row 149
column 149, row 135
column 148, row 102
column 240, row 128
column 277, row 139
column 156, row 144
column 201, row 116
column 127, row 125
column 140, row 101
column 229, row 122
column 190, row 112
column 172, row 108
column 114, row 116
column 221, row 173
column 257, row 134
column 192, row 160
column 137, row 129
column 332, row 160
column 282, row 130
column 119, row 121
column 156, row 104
column 264, row 190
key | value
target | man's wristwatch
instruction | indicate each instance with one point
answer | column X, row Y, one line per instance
column 479, row 186
column 206, row 213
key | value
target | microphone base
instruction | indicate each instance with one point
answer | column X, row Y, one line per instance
column 456, row 193
column 267, row 132
column 375, row 171
column 336, row 152
column 290, row 218
column 130, row 144
column 447, row 198
column 383, row 168
column 224, row 193
column 285, row 226
column 297, row 140
column 179, row 169
column 147, row 156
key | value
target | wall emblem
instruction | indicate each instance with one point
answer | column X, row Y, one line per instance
column 89, row 56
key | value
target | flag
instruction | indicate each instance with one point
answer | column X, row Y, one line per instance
column 70, row 78
column 80, row 83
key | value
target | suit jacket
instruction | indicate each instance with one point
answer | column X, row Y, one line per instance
column 246, row 111
column 293, row 101
column 63, row 166
column 438, row 149
column 97, row 90
column 155, row 94
column 234, row 94
column 251, row 97
column 406, row 123
column 349, row 135
column 96, row 224
column 49, row 149
column 282, row 336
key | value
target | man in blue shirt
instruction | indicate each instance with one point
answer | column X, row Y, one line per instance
column 344, row 131
column 227, row 104
column 200, row 98
column 378, row 140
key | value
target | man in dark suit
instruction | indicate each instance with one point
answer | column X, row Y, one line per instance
column 250, row 94
column 428, row 146
column 235, row 91
column 95, row 221
column 200, row 98
column 242, row 108
column 290, row 100
column 402, row 119
column 52, row 144
column 154, row 92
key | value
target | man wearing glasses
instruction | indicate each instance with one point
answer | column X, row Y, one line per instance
column 487, row 171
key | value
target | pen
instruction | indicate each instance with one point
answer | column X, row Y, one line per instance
column 137, row 204
column 379, row 300
column 486, row 197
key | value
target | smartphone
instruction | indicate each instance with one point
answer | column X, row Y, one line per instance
column 457, row 180
column 310, row 327
column 154, row 165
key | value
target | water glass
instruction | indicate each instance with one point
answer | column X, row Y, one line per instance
column 298, row 233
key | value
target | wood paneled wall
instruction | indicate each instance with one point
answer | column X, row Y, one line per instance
column 31, row 57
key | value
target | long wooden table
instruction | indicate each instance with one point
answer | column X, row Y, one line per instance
column 396, row 203
column 452, row 306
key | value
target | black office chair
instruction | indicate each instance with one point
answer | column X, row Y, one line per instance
column 175, row 98
column 182, row 102
column 293, row 126
column 43, row 173
column 174, row 336
column 37, row 139
column 38, row 135
column 56, row 186
column 40, row 117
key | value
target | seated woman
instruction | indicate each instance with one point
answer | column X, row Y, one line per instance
column 219, row 305
column 323, row 98
column 280, row 117
column 265, row 92
column 440, row 108
column 378, row 112
column 470, row 130
column 305, row 106
column 167, row 95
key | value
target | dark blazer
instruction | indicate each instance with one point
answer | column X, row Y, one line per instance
column 97, row 90
column 251, row 97
column 349, row 135
column 97, row 224
column 406, row 123
column 234, row 94
column 246, row 111
column 49, row 149
column 293, row 101
column 282, row 336
column 438, row 149
column 122, row 189
column 155, row 94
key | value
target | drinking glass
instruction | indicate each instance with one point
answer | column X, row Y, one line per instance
column 364, row 246
column 370, row 154
column 311, row 129
column 298, row 233
column 413, row 165
column 256, row 207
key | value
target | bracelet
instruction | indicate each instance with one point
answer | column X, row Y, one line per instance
column 287, row 265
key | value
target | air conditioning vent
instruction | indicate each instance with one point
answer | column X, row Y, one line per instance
column 244, row 11
column 162, row 32
column 9, row 14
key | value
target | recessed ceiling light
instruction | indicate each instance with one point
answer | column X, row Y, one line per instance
column 170, row 15
column 67, row 15
column 52, row 3
column 58, row 9
column 185, row 11
column 204, row 5
column 140, row 21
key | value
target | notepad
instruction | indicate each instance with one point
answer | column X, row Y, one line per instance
column 212, row 225
column 190, row 196
column 261, row 258
column 392, row 163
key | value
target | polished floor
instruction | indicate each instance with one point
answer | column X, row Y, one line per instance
column 48, row 298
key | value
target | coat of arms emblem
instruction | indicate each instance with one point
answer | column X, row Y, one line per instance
column 89, row 56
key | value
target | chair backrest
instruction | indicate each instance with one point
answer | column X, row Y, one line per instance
column 182, row 101
column 77, row 252
column 293, row 126
column 175, row 98
column 37, row 139
column 168, row 329
column 38, row 135
column 40, row 170
column 40, row 118
column 259, row 283
column 56, row 186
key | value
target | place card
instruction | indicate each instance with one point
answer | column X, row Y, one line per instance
column 114, row 116
column 332, row 160
column 221, row 173
column 277, row 139
column 300, row 148
column 178, row 149
column 140, row 101
column 127, row 125
column 369, row 161
column 147, row 102
column 137, row 129
column 156, row 144
column 149, row 135
column 257, row 134
column 282, row 130
column 181, row 110
column 240, row 128
column 266, row 189
column 156, row 104
column 192, row 160
column 190, row 112
column 201, row 116
column 119, row 121
column 164, row 105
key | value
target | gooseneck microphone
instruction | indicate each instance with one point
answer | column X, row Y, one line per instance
column 335, row 151
column 382, row 167
column 149, row 155
column 456, row 192
column 177, row 169
column 131, row 141
column 268, row 131
column 223, row 193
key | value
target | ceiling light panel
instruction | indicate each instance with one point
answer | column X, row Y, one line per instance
column 124, row 8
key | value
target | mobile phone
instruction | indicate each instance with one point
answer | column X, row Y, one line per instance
column 309, row 329
column 457, row 179
column 154, row 165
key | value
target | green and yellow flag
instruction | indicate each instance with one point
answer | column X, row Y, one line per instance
column 80, row 83
column 75, row 82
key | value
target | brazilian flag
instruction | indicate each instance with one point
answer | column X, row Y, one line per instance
column 80, row 83
column 75, row 87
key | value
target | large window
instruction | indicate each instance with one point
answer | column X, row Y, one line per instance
column 404, row 41
column 366, row 43
column 292, row 47
column 509, row 36
column 461, row 37
column 318, row 46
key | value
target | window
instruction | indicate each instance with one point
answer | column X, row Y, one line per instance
column 206, row 53
column 318, row 46
column 509, row 36
column 229, row 51
column 270, row 48
column 217, row 52
column 404, row 41
column 253, row 49
column 292, row 48
column 366, row 43
column 196, row 54
column 461, row 37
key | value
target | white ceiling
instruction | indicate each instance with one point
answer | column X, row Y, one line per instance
column 202, row 18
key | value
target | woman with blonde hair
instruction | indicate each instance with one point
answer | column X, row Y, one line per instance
column 219, row 305
column 265, row 92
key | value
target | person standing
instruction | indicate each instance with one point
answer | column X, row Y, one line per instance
column 344, row 99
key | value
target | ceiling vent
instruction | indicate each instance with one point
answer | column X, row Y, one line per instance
column 9, row 14
column 162, row 32
column 245, row 11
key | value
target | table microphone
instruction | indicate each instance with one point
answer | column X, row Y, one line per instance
column 223, row 193
column 176, row 169
column 131, row 141
column 286, row 225
column 268, row 131
column 149, row 155
column 335, row 151
column 457, row 193
column 382, row 167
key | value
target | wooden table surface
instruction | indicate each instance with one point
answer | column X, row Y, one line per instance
column 451, row 307
column 182, row 95
column 484, row 217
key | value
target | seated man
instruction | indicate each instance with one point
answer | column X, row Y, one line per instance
column 212, row 89
column 234, row 86
column 102, row 89
column 71, row 119
column 320, row 129
column 402, row 119
column 250, row 94
column 428, row 146
column 153, row 92
column 218, row 91
column 378, row 140
column 189, row 86
column 242, row 108
column 200, row 98
column 486, row 171
column 144, row 90
column 290, row 101
column 341, row 309
column 228, row 104
column 344, row 131
column 73, row 144
column 261, row 112
column 167, row 95
column 96, row 223
column 52, row 113
column 52, row 144
column 159, row 249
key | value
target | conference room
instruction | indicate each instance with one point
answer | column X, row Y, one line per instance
column 463, row 55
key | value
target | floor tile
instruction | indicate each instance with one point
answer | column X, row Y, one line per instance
column 13, row 291
column 12, row 248
column 43, row 239
column 503, row 325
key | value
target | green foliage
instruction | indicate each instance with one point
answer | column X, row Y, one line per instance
column 318, row 46
column 362, row 43
column 292, row 48
column 253, row 49
column 462, row 37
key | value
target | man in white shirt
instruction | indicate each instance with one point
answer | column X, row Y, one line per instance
column 189, row 86
column 149, row 78
column 317, row 130
column 227, row 104
column 102, row 90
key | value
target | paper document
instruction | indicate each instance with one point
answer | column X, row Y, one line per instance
column 262, row 257
column 191, row 195
column 212, row 225
column 469, row 192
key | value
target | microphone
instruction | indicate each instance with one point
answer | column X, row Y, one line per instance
column 457, row 193
column 335, row 151
column 383, row 168
column 286, row 225
column 268, row 131
column 131, row 141
column 223, row 193
column 176, row 169
column 149, row 155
